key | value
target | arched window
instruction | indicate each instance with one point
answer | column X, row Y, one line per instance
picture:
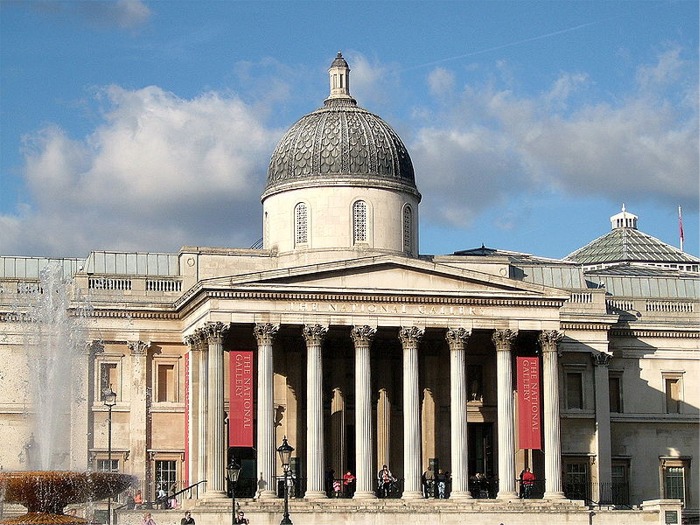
column 407, row 229
column 301, row 224
column 359, row 222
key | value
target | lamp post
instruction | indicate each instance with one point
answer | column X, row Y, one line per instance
column 285, row 451
column 109, row 397
column 232, row 472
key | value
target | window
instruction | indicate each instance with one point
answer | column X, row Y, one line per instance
column 475, row 382
column 615, row 390
column 166, row 383
column 108, row 377
column 359, row 222
column 675, row 478
column 166, row 474
column 166, row 380
column 301, row 224
column 576, row 480
column 673, row 388
column 407, row 229
column 620, row 482
column 574, row 390
column 106, row 465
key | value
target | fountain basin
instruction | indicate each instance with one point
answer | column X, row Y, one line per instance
column 46, row 493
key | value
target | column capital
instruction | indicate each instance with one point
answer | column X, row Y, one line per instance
column 457, row 337
column 214, row 331
column 410, row 336
column 194, row 340
column 549, row 340
column 362, row 335
column 503, row 339
column 265, row 332
column 138, row 347
column 601, row 358
column 314, row 334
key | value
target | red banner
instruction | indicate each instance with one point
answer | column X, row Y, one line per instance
column 240, row 428
column 529, row 420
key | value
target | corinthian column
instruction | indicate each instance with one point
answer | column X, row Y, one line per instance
column 362, row 338
column 457, row 340
column 313, row 335
column 601, row 360
column 410, row 338
column 216, row 452
column 264, row 334
column 549, row 342
column 138, row 431
column 503, row 339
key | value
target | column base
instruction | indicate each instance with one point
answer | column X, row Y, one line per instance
column 364, row 494
column 460, row 494
column 214, row 494
column 315, row 494
column 267, row 494
column 554, row 495
column 510, row 494
column 412, row 494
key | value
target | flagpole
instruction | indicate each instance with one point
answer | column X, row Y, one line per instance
column 680, row 226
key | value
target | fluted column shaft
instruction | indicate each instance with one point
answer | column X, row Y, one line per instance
column 216, row 452
column 362, row 338
column 197, row 407
column 410, row 338
column 549, row 342
column 503, row 339
column 313, row 335
column 264, row 334
column 457, row 340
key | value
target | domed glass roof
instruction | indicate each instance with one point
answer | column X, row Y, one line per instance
column 340, row 143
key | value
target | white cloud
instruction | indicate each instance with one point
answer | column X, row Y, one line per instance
column 485, row 145
column 159, row 172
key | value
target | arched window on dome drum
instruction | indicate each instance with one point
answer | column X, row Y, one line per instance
column 301, row 224
column 407, row 229
column 359, row 222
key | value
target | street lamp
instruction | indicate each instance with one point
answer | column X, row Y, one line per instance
column 232, row 472
column 109, row 398
column 285, row 451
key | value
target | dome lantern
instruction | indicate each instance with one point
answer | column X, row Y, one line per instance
column 339, row 74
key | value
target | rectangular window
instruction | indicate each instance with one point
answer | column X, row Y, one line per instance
column 108, row 378
column 475, row 382
column 105, row 465
column 674, row 393
column 615, row 389
column 166, row 384
column 574, row 390
column 675, row 478
column 166, row 475
column 576, row 479
column 620, row 482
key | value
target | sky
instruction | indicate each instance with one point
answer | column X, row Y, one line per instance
column 135, row 125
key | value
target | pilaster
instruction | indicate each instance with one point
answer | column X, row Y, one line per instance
column 138, row 409
column 601, row 360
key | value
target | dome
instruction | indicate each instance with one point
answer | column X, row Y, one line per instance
column 340, row 143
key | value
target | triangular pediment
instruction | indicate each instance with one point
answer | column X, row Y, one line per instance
column 391, row 275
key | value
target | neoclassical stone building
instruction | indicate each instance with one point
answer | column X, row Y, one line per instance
column 338, row 334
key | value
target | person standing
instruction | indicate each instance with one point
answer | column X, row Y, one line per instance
column 348, row 484
column 385, row 478
column 148, row 519
column 428, row 483
column 528, row 483
column 441, row 480
column 188, row 519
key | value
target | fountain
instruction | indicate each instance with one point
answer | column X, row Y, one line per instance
column 54, row 346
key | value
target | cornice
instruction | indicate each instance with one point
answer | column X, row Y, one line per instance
column 665, row 333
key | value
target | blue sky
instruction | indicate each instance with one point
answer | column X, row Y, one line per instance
column 146, row 126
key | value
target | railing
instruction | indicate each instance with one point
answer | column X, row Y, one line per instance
column 614, row 495
column 108, row 283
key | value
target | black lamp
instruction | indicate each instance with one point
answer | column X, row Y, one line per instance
column 109, row 399
column 232, row 472
column 285, row 451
